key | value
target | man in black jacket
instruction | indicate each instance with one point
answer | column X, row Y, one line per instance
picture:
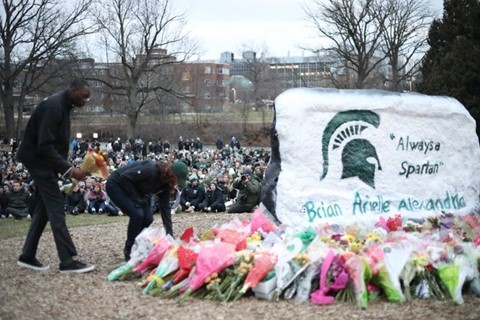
column 192, row 196
column 44, row 151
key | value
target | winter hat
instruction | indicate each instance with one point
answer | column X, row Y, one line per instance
column 247, row 171
column 181, row 171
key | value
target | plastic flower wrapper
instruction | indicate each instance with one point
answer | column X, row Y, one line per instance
column 260, row 221
column 359, row 273
column 166, row 266
column 95, row 164
column 155, row 255
column 387, row 263
column 470, row 224
column 144, row 242
column 263, row 262
column 227, row 285
column 333, row 277
column 68, row 188
column 307, row 236
column 406, row 276
column 426, row 283
column 187, row 257
column 211, row 259
column 316, row 251
column 235, row 237
column 454, row 275
column 286, row 269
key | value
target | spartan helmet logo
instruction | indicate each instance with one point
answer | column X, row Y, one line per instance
column 356, row 151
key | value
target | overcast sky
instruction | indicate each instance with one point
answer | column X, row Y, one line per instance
column 224, row 25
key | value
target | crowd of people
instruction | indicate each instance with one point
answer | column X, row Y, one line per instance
column 220, row 179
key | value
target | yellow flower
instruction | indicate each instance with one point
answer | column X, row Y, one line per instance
column 348, row 238
column 373, row 237
column 355, row 247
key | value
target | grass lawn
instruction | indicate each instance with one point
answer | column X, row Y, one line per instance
column 10, row 228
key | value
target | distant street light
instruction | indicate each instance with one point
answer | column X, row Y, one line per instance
column 95, row 135
column 79, row 135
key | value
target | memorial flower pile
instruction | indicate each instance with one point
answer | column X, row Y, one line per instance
column 394, row 259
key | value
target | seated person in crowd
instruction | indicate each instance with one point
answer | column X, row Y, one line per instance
column 249, row 189
column 96, row 199
column 192, row 196
column 214, row 200
column 17, row 201
column 230, row 192
column 75, row 202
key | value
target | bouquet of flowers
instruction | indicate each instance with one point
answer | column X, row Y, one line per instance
column 96, row 163
column 359, row 273
column 315, row 253
column 263, row 262
column 333, row 277
column 292, row 261
column 155, row 255
column 169, row 264
column 226, row 285
column 144, row 243
column 211, row 259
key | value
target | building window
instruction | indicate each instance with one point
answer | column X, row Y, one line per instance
column 186, row 76
column 221, row 83
column 223, row 71
column 207, row 82
column 207, row 70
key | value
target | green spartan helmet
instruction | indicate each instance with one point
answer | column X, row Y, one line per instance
column 356, row 152
column 355, row 163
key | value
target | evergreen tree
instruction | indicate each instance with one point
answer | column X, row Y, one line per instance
column 452, row 65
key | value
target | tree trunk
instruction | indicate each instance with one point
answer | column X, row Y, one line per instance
column 8, row 110
column 132, row 126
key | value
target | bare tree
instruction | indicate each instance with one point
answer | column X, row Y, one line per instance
column 353, row 29
column 33, row 34
column 143, row 40
column 257, row 71
column 404, row 38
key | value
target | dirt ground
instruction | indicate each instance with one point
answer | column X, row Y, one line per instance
column 26, row 294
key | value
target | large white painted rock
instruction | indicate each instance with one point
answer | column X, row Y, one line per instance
column 355, row 155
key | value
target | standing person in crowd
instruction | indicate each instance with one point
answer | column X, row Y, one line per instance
column 198, row 145
column 249, row 189
column 84, row 145
column 75, row 147
column 17, row 201
column 214, row 200
column 44, row 151
column 129, row 187
column 234, row 143
column 219, row 143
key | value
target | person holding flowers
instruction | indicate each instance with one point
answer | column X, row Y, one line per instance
column 44, row 151
column 129, row 186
